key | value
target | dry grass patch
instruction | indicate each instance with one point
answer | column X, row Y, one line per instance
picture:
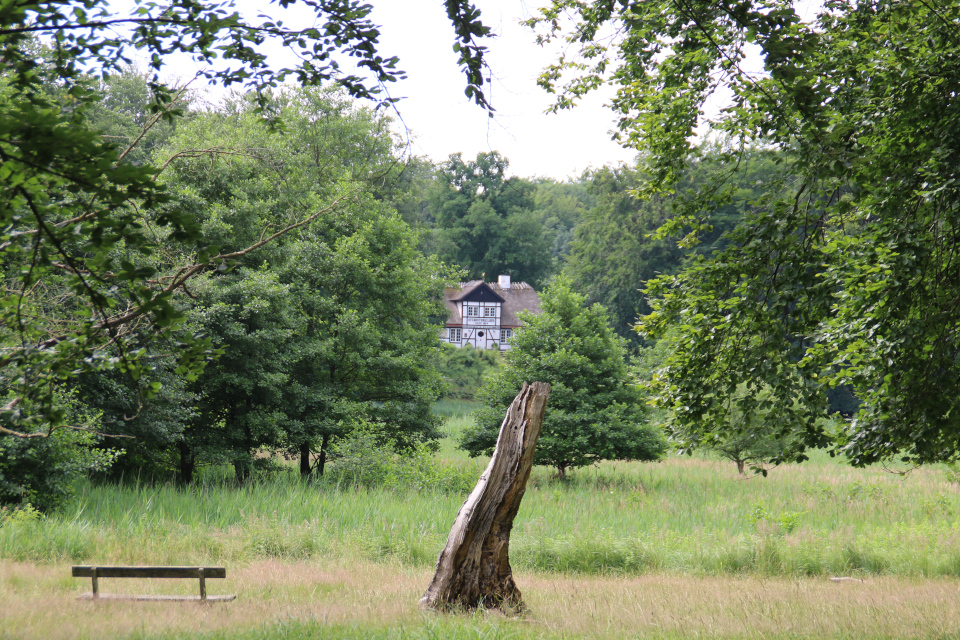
column 39, row 602
column 730, row 607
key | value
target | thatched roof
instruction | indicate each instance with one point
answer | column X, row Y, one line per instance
column 520, row 296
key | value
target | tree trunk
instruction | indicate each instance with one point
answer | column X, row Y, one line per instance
column 474, row 568
column 241, row 469
column 305, row 460
column 322, row 460
column 187, row 463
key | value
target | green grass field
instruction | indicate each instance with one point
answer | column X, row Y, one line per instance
column 690, row 529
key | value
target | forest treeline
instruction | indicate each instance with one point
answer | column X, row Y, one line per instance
column 333, row 322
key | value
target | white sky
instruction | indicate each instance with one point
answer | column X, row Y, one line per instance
column 441, row 119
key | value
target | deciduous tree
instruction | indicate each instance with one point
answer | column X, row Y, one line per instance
column 617, row 250
column 334, row 322
column 846, row 272
column 485, row 221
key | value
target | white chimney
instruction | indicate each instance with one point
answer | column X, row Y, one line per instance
column 504, row 282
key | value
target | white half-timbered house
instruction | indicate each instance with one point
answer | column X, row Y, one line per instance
column 484, row 314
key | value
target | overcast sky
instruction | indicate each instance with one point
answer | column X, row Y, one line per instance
column 441, row 119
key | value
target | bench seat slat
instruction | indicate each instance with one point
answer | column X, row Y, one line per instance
column 85, row 571
column 158, row 598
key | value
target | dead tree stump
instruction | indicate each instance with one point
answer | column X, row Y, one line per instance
column 474, row 567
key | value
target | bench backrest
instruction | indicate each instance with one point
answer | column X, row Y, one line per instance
column 85, row 571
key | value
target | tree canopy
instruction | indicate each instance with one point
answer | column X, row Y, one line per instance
column 485, row 220
column 845, row 272
column 616, row 250
column 332, row 323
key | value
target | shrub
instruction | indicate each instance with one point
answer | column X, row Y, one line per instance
column 463, row 369
column 366, row 456
column 42, row 471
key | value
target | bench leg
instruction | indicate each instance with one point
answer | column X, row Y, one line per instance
column 203, row 587
column 96, row 587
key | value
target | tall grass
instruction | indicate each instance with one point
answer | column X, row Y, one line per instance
column 449, row 407
column 689, row 516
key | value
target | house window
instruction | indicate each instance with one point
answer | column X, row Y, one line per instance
column 489, row 312
column 505, row 335
column 473, row 312
column 454, row 335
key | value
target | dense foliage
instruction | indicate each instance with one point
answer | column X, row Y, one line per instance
column 594, row 412
column 485, row 221
column 616, row 250
column 96, row 255
column 845, row 272
column 299, row 323
column 320, row 308
column 464, row 368
column 70, row 201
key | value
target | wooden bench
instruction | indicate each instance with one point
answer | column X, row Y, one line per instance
column 97, row 572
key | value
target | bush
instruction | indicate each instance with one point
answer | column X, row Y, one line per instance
column 367, row 457
column 463, row 369
column 42, row 471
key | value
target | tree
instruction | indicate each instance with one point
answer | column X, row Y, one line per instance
column 617, row 250
column 845, row 272
column 372, row 305
column 343, row 331
column 612, row 254
column 241, row 404
column 485, row 221
column 560, row 206
column 70, row 203
column 595, row 413
column 123, row 115
column 331, row 323
column 751, row 439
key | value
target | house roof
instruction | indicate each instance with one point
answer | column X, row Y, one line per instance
column 482, row 292
column 519, row 297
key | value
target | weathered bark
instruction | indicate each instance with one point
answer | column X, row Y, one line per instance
column 474, row 568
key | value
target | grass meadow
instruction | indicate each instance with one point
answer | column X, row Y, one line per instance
column 683, row 548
